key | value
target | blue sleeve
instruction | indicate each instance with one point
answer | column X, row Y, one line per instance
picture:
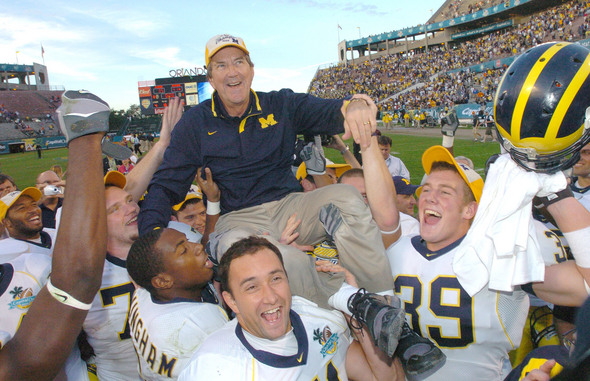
column 173, row 178
column 314, row 116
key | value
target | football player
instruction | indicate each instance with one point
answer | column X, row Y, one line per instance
column 191, row 210
column 176, row 307
column 475, row 332
column 21, row 215
column 277, row 336
column 106, row 326
column 474, row 339
column 45, row 338
column 581, row 181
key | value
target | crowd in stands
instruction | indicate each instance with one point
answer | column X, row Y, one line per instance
column 28, row 126
column 29, row 131
column 55, row 101
column 7, row 115
column 25, row 128
column 459, row 8
column 28, row 105
column 385, row 76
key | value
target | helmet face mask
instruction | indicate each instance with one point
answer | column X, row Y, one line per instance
column 541, row 106
column 529, row 159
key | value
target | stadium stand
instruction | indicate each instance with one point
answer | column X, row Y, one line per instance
column 441, row 75
column 33, row 104
column 8, row 131
column 457, row 8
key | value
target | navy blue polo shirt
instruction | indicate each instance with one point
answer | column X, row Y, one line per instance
column 250, row 157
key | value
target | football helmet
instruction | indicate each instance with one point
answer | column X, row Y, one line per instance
column 542, row 107
column 541, row 327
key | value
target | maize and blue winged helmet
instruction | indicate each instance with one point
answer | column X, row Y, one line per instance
column 542, row 107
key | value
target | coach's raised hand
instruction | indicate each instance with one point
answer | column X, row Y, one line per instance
column 360, row 119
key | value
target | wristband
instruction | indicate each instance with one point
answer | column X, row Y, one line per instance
column 578, row 243
column 553, row 198
column 213, row 208
column 343, row 151
column 399, row 225
column 65, row 298
column 448, row 141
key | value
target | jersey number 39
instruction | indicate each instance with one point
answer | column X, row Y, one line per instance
column 447, row 301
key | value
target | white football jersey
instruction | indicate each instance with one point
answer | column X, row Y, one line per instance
column 475, row 333
column 410, row 225
column 581, row 194
column 22, row 279
column 107, row 327
column 166, row 334
column 11, row 248
column 552, row 243
column 322, row 339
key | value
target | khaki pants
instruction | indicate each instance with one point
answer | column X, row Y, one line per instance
column 360, row 248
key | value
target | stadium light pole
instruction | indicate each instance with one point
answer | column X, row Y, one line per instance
column 359, row 28
column 16, row 54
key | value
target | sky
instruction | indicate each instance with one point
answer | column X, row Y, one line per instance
column 106, row 47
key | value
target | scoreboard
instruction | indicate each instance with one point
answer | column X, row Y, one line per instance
column 155, row 95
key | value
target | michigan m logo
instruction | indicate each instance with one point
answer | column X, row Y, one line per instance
column 269, row 121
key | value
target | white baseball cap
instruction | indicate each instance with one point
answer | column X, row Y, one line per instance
column 221, row 41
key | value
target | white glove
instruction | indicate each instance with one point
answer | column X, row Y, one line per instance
column 82, row 113
column 313, row 156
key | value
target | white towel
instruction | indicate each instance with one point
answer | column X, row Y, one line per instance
column 501, row 248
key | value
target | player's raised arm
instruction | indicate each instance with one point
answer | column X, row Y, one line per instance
column 47, row 334
column 547, row 139
column 139, row 179
column 337, row 144
column 211, row 190
column 381, row 193
column 566, row 283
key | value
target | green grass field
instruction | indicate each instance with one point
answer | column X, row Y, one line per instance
column 24, row 167
column 410, row 148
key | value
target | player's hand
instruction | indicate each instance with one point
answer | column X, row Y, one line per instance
column 337, row 143
column 551, row 184
column 172, row 115
column 541, row 374
column 82, row 113
column 290, row 234
column 329, row 267
column 360, row 120
column 208, row 186
column 313, row 156
column 449, row 124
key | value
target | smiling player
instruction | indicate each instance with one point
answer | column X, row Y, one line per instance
column 277, row 336
column 176, row 307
